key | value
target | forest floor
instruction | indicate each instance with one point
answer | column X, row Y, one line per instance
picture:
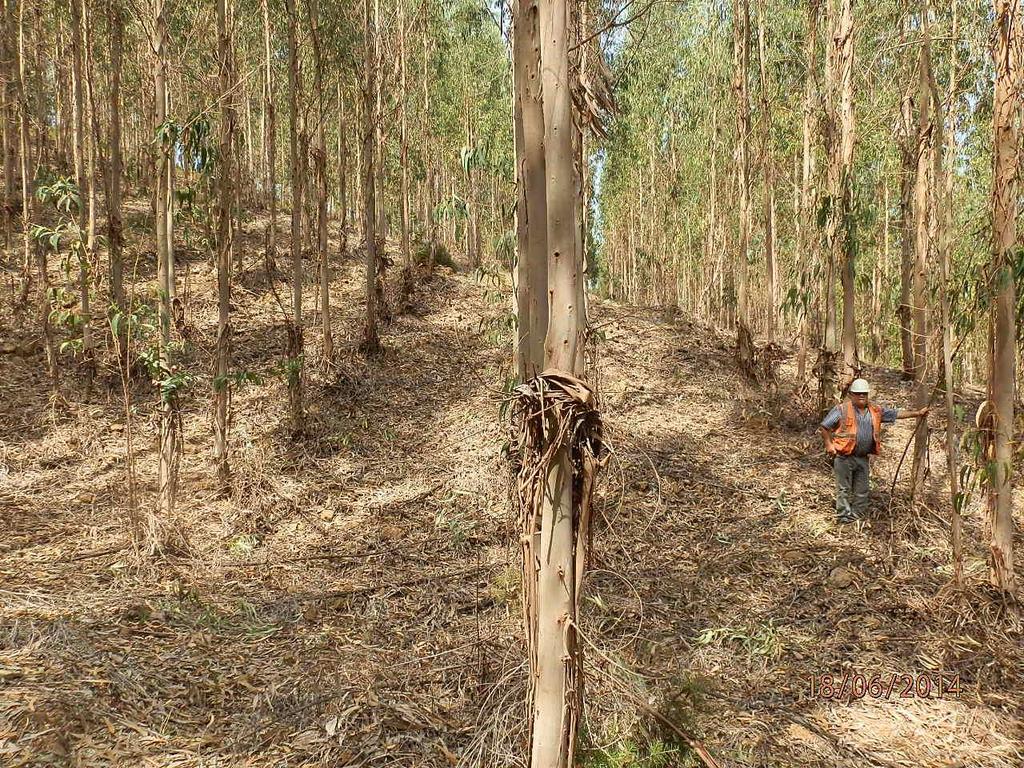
column 354, row 601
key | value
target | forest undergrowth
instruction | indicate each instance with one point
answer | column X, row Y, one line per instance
column 355, row 599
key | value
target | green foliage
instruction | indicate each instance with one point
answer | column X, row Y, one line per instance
column 454, row 524
column 236, row 379
column 61, row 192
column 762, row 641
column 630, row 754
column 198, row 150
column 421, row 255
column 504, row 246
column 65, row 238
column 453, row 207
column 289, row 369
column 173, row 383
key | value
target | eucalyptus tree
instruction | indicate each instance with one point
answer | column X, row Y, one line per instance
column 225, row 243
column 295, row 362
column 741, row 85
column 842, row 180
column 559, row 448
column 531, row 202
column 269, row 139
column 806, row 216
column 371, row 339
column 320, row 177
column 83, row 180
column 115, row 171
column 922, row 240
column 1007, row 52
column 167, row 478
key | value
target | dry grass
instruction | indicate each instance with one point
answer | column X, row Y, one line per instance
column 354, row 601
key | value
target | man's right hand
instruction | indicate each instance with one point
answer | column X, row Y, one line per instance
column 830, row 450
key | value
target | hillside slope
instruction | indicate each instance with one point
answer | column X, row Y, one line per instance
column 354, row 602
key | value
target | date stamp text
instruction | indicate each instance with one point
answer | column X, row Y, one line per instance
column 852, row 685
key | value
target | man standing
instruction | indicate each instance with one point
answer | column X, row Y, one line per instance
column 852, row 432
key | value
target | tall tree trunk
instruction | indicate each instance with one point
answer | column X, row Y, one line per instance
column 93, row 140
column 19, row 111
column 320, row 173
column 741, row 68
column 404, row 149
column 1006, row 56
column 578, row 44
column 839, row 142
column 531, row 201
column 9, row 114
column 712, row 252
column 908, row 157
column 24, row 148
column 343, row 152
column 295, row 340
column 225, row 239
column 270, row 141
column 431, row 180
column 879, row 278
column 371, row 341
column 770, row 257
column 115, row 224
column 919, row 311
column 81, row 149
column 168, row 466
column 380, row 139
column 31, row 202
column 554, row 554
column 945, row 147
column 844, row 43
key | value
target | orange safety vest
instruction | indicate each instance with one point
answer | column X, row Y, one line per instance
column 845, row 437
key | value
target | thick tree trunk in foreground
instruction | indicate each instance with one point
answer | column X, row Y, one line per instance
column 1007, row 59
column 554, row 549
column 531, row 202
column 225, row 239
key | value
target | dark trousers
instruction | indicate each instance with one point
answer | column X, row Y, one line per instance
column 852, row 485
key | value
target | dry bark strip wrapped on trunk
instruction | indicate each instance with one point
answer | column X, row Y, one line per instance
column 557, row 432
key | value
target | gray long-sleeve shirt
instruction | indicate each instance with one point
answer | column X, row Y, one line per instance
column 865, row 429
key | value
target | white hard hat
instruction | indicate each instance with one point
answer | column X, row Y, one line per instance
column 859, row 386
